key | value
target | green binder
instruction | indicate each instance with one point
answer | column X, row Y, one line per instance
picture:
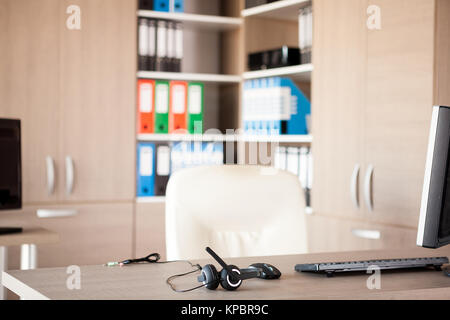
column 162, row 106
column 195, row 108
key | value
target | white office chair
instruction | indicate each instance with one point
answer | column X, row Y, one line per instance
column 236, row 210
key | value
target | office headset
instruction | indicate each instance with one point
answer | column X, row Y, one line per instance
column 230, row 277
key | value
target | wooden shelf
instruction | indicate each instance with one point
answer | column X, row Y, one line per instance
column 202, row 77
column 299, row 73
column 222, row 137
column 287, row 138
column 155, row 199
column 216, row 23
column 185, row 137
column 283, row 9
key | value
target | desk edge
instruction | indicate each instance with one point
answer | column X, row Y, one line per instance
column 24, row 291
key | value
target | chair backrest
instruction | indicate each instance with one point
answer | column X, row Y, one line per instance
column 236, row 210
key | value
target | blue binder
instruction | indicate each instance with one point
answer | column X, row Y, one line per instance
column 218, row 156
column 263, row 110
column 246, row 105
column 300, row 109
column 178, row 6
column 146, row 170
column 161, row 5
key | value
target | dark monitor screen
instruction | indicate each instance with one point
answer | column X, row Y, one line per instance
column 444, row 224
column 10, row 165
column 434, row 222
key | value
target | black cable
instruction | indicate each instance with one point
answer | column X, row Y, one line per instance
column 154, row 258
column 151, row 258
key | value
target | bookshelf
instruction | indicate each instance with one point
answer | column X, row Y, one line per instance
column 291, row 138
column 157, row 199
column 298, row 73
column 300, row 139
column 282, row 9
column 194, row 21
column 218, row 36
column 185, row 137
column 202, row 77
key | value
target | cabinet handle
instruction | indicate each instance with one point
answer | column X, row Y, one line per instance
column 368, row 187
column 354, row 186
column 69, row 175
column 367, row 234
column 47, row 213
column 50, row 175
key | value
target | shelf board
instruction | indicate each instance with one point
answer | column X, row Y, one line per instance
column 223, row 137
column 299, row 73
column 155, row 199
column 283, row 9
column 216, row 23
column 202, row 77
column 185, row 137
column 286, row 138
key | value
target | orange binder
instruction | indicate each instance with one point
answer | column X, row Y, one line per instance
column 146, row 101
column 178, row 107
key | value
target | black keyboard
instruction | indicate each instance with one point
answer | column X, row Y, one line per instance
column 329, row 268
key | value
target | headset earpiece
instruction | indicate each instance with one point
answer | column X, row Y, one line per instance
column 227, row 281
column 210, row 277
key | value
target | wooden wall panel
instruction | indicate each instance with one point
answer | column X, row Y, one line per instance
column 442, row 54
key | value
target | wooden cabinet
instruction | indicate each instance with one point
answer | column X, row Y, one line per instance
column 97, row 234
column 74, row 91
column 29, row 84
column 339, row 70
column 331, row 234
column 97, row 98
column 397, row 115
column 373, row 91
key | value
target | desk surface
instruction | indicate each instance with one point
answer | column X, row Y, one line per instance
column 29, row 236
column 147, row 281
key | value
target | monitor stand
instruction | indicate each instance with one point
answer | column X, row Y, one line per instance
column 10, row 230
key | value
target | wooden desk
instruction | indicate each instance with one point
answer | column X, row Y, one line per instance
column 27, row 239
column 147, row 281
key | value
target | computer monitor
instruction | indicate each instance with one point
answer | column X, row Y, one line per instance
column 434, row 222
column 10, row 168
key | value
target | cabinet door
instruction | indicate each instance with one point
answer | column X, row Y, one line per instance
column 97, row 234
column 98, row 76
column 29, row 85
column 329, row 234
column 338, row 93
column 398, row 109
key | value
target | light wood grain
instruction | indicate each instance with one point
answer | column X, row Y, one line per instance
column 97, row 234
column 97, row 93
column 442, row 53
column 147, row 281
column 150, row 232
column 398, row 108
column 29, row 84
column 338, row 96
column 266, row 34
column 29, row 236
column 328, row 233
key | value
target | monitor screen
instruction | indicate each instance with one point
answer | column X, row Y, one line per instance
column 10, row 165
column 434, row 222
column 444, row 221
